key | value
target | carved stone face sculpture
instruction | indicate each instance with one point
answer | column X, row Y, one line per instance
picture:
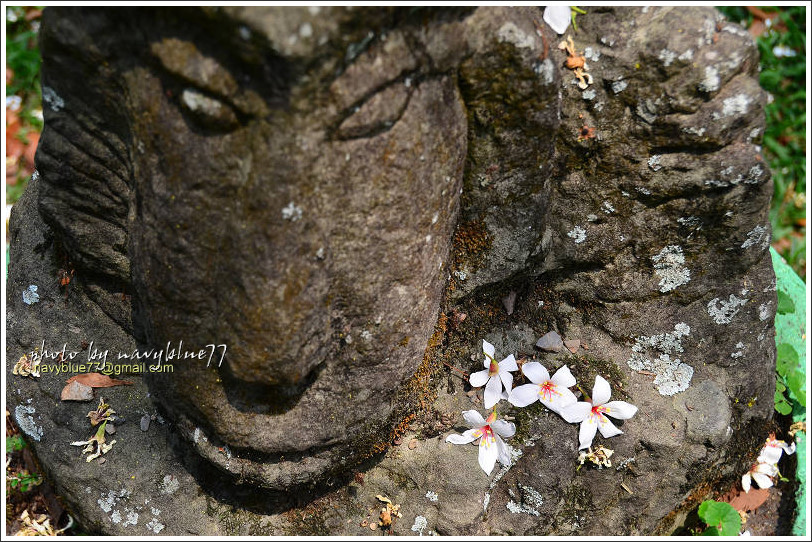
column 292, row 196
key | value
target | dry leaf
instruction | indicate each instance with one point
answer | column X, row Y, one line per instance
column 97, row 380
column 745, row 502
column 76, row 391
column 383, row 499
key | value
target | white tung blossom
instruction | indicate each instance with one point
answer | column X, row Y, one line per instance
column 494, row 376
column 552, row 392
column 592, row 415
column 491, row 446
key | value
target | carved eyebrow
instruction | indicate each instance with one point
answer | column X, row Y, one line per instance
column 182, row 59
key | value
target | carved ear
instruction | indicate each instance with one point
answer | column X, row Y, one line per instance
column 83, row 160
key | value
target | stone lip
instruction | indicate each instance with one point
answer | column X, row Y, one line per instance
column 708, row 196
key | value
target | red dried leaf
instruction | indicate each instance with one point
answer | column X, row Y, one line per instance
column 97, row 380
column 746, row 502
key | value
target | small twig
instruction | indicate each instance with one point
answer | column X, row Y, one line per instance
column 461, row 372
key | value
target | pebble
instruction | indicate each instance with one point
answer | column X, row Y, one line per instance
column 413, row 444
column 145, row 422
column 572, row 345
column 110, row 429
column 551, row 342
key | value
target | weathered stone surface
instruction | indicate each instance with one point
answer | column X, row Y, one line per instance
column 302, row 204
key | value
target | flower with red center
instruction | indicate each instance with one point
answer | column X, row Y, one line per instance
column 553, row 392
column 491, row 446
column 494, row 376
column 592, row 415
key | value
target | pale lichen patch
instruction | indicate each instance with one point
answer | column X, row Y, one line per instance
column 26, row 423
column 292, row 212
column 711, row 81
column 723, row 311
column 671, row 375
column 759, row 237
column 578, row 234
column 736, row 105
column 667, row 57
column 511, row 33
column 669, row 265
column 764, row 310
column 52, row 99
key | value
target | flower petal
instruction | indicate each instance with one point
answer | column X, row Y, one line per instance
column 478, row 379
column 746, row 483
column 576, row 412
column 508, row 364
column 600, row 391
column 489, row 350
column 488, row 452
column 524, row 395
column 468, row 436
column 493, row 391
column 535, row 372
column 789, row 449
column 587, row 433
column 559, row 399
column 768, row 469
column 762, row 480
column 503, row 452
column 770, row 454
column 607, row 428
column 558, row 17
column 504, row 428
column 507, row 380
column 620, row 410
column 473, row 418
column 563, row 377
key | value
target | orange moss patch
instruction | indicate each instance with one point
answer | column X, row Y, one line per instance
column 418, row 393
column 470, row 240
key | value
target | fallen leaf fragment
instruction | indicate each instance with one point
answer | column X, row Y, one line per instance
column 747, row 501
column 97, row 380
column 76, row 391
column 383, row 499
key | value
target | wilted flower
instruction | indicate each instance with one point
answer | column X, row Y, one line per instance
column 494, row 376
column 552, row 392
column 95, row 445
column 766, row 466
column 491, row 447
column 593, row 415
